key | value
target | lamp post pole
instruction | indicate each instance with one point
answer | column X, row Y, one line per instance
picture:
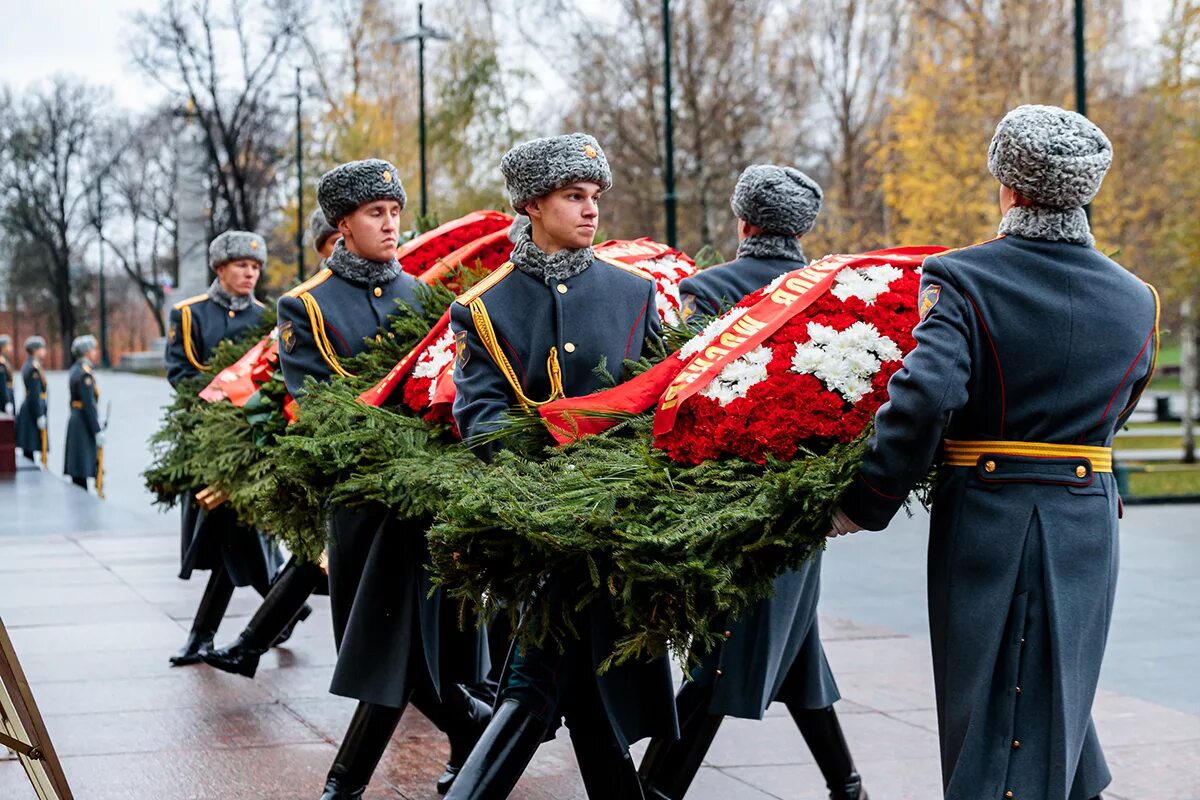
column 104, row 357
column 299, row 182
column 419, row 37
column 1080, row 61
column 668, row 127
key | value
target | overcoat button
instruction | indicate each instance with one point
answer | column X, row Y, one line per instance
column 1016, row 745
column 720, row 673
column 1008, row 794
column 1018, row 690
column 1081, row 471
column 562, row 288
column 378, row 292
column 728, row 634
column 232, row 313
column 569, row 347
column 989, row 466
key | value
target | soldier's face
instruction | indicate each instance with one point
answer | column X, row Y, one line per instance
column 326, row 249
column 566, row 219
column 239, row 277
column 371, row 230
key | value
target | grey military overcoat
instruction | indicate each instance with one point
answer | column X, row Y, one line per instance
column 379, row 587
column 605, row 313
column 774, row 651
column 1029, row 341
column 84, row 423
column 29, row 437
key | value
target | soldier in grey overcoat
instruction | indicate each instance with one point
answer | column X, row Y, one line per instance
column 774, row 652
column 396, row 643
column 8, row 398
column 1032, row 351
column 214, row 539
column 84, row 432
column 532, row 331
column 31, row 419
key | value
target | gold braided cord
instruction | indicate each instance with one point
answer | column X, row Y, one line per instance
column 487, row 335
column 189, row 349
column 317, row 320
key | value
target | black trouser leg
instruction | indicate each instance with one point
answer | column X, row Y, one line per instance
column 824, row 737
column 459, row 715
column 363, row 745
column 208, row 618
column 669, row 767
column 80, row 482
column 283, row 606
column 501, row 754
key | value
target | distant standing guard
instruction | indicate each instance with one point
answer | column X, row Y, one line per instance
column 8, row 399
column 32, row 433
column 85, row 435
column 1032, row 351
column 216, row 541
column 773, row 653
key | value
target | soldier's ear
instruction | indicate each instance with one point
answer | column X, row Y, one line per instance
column 534, row 209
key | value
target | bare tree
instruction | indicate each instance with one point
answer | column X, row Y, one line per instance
column 139, row 210
column 224, row 68
column 850, row 49
column 48, row 170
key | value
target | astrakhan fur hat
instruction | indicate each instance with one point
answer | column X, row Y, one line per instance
column 536, row 168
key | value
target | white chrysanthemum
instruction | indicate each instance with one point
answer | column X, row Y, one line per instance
column 736, row 378
column 845, row 361
column 668, row 271
column 434, row 360
column 713, row 329
column 774, row 284
column 866, row 284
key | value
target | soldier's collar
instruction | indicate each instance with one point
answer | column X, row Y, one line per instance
column 230, row 302
column 357, row 269
column 769, row 245
column 533, row 261
column 1048, row 224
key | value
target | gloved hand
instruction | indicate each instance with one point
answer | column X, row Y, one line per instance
column 8, row 408
column 100, row 439
column 41, row 422
column 841, row 525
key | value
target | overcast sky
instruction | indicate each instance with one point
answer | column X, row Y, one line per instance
column 41, row 38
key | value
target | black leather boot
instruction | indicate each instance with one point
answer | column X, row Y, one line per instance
column 208, row 618
column 281, row 609
column 669, row 767
column 463, row 718
column 500, row 756
column 823, row 734
column 606, row 768
column 363, row 745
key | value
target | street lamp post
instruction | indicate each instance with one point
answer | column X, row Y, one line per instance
column 668, row 127
column 1080, row 61
column 104, row 358
column 299, row 182
column 422, row 33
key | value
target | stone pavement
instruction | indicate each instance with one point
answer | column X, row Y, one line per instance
column 89, row 594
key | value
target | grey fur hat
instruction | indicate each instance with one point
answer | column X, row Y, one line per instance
column 780, row 200
column 5, row 340
column 232, row 245
column 320, row 229
column 1052, row 156
column 536, row 168
column 33, row 343
column 81, row 345
column 348, row 186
